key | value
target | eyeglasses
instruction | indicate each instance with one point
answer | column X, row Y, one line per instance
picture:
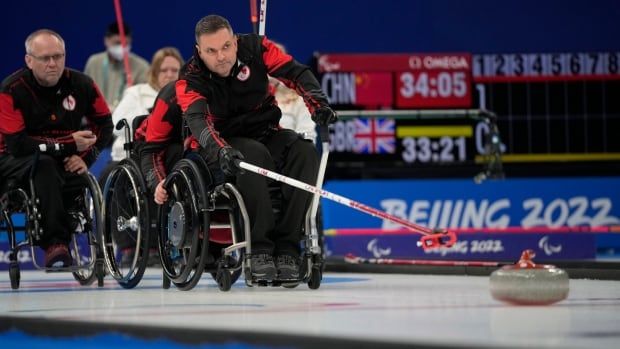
column 46, row 59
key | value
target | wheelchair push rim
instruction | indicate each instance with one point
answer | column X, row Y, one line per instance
column 184, row 225
column 127, row 224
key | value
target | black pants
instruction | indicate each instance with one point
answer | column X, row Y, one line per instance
column 55, row 188
column 289, row 154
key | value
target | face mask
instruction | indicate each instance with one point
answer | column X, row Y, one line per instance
column 116, row 51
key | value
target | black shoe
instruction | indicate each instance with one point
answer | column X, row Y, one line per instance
column 263, row 267
column 288, row 268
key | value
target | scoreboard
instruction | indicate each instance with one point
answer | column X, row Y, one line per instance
column 546, row 67
column 551, row 107
column 397, row 80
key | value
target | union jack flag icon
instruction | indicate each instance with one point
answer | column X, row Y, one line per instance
column 374, row 136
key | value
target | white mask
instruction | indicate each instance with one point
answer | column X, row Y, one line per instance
column 116, row 51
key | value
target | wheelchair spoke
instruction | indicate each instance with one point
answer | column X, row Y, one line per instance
column 123, row 207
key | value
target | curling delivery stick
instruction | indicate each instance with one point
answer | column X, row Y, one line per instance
column 262, row 21
column 432, row 238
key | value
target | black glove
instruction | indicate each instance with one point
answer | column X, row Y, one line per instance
column 324, row 116
column 227, row 157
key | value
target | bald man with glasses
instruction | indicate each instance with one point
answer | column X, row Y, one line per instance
column 43, row 107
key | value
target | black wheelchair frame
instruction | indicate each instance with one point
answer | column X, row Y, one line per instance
column 15, row 199
column 186, row 223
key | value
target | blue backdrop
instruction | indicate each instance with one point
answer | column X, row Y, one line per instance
column 477, row 26
column 514, row 202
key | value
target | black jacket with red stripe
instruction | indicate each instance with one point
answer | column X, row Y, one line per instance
column 241, row 104
column 162, row 127
column 31, row 114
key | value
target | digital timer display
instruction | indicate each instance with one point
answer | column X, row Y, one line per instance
column 408, row 138
column 441, row 80
column 425, row 149
column 433, row 89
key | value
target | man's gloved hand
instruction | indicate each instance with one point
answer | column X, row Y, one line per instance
column 324, row 116
column 227, row 157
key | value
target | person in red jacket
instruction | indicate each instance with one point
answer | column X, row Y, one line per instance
column 224, row 95
column 42, row 108
column 163, row 141
column 162, row 146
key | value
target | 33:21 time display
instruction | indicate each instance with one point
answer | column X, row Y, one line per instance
column 427, row 150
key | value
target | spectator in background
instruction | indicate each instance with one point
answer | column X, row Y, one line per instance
column 108, row 69
column 138, row 99
column 295, row 114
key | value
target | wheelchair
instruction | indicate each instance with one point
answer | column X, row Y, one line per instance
column 187, row 247
column 127, row 214
column 203, row 212
column 85, row 216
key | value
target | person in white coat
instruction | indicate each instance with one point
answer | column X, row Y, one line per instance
column 295, row 114
column 138, row 99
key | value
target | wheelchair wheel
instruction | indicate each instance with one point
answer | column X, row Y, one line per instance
column 14, row 275
column 216, row 249
column 88, row 231
column 223, row 279
column 237, row 257
column 233, row 275
column 165, row 284
column 315, row 278
column 127, row 224
column 184, row 226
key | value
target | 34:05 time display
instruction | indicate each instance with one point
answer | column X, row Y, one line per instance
column 444, row 85
column 430, row 150
column 433, row 89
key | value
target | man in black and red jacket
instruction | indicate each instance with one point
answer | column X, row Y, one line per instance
column 43, row 108
column 223, row 92
column 163, row 142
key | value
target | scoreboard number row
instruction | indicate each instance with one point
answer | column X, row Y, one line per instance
column 547, row 65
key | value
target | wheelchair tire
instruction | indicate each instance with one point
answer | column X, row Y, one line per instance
column 224, row 280
column 165, row 282
column 234, row 275
column 92, row 226
column 14, row 275
column 315, row 277
column 100, row 272
column 230, row 262
column 184, row 264
column 126, row 223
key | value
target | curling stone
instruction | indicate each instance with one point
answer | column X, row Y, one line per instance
column 527, row 283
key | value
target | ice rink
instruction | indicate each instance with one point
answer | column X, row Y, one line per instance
column 348, row 310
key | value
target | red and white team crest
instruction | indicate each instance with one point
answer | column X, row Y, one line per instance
column 244, row 73
column 69, row 103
